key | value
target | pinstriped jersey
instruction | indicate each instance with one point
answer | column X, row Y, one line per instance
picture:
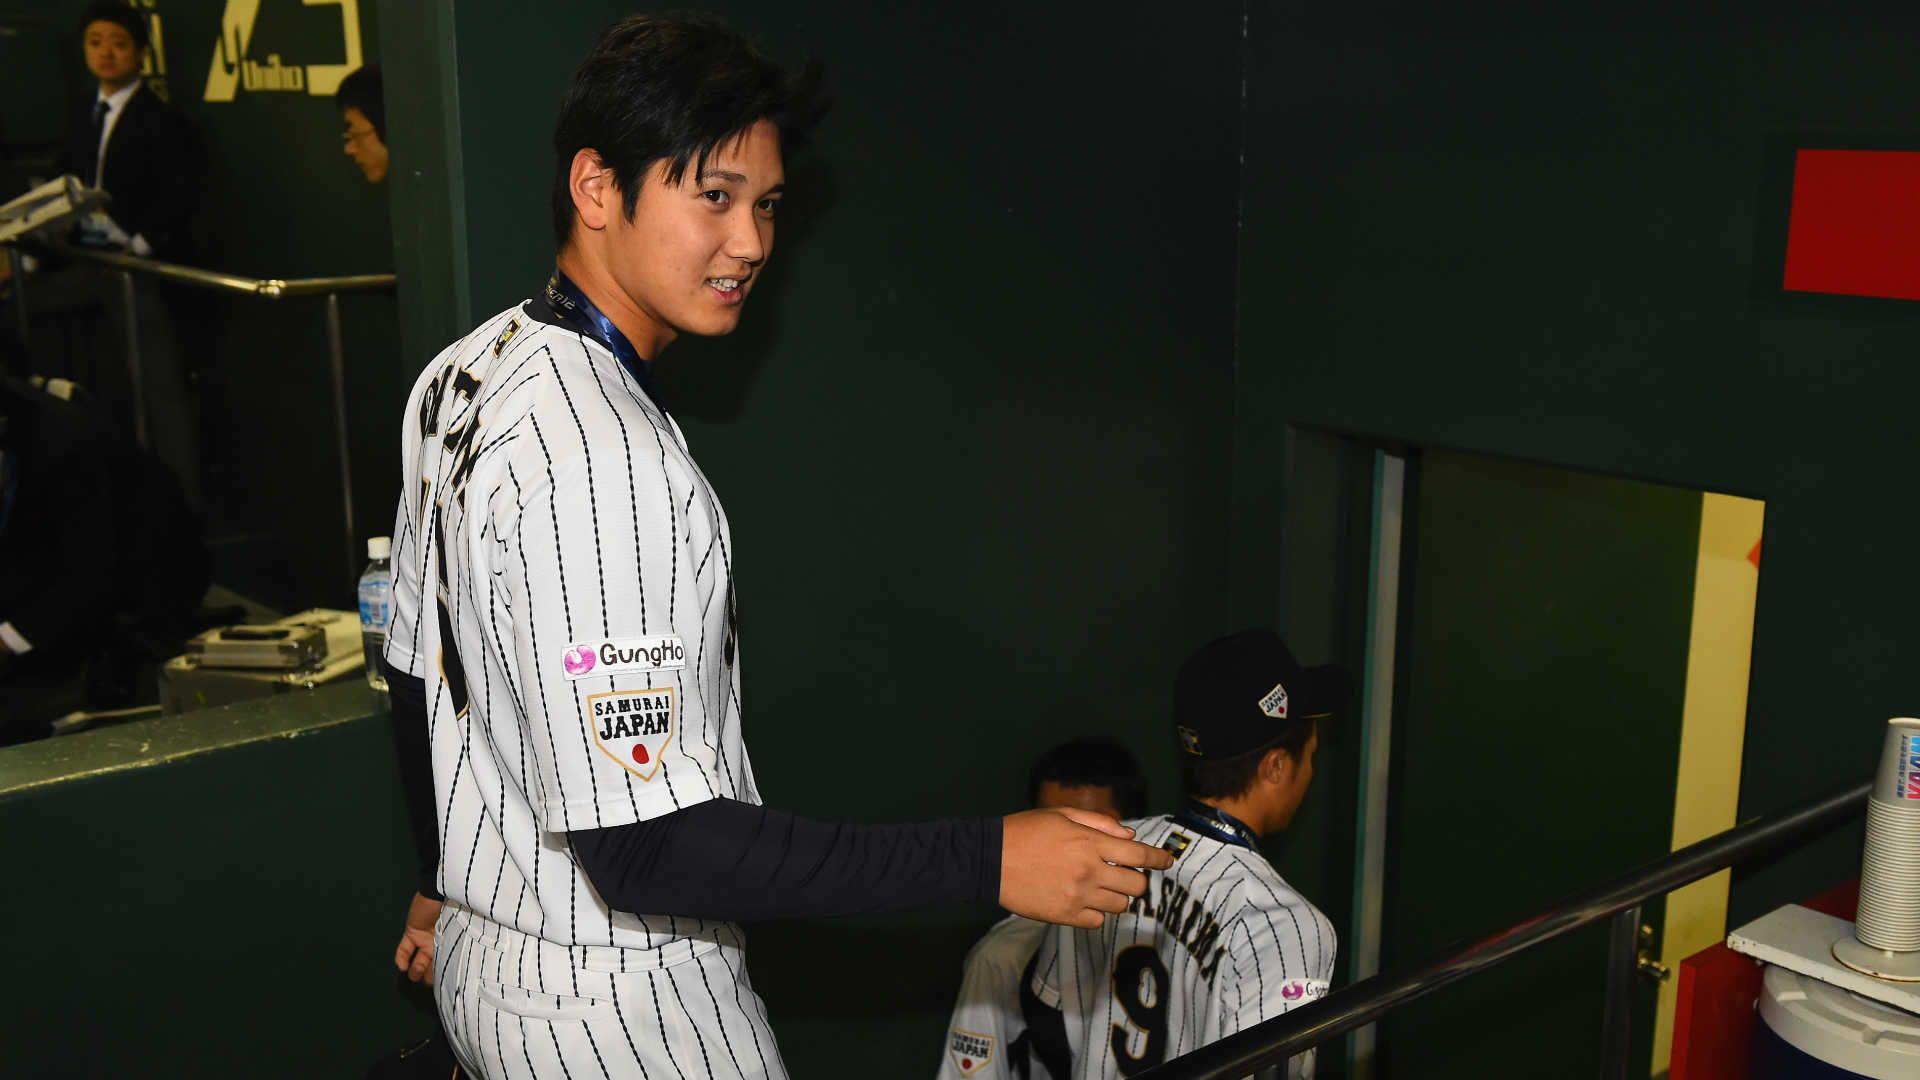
column 563, row 581
column 1219, row 943
column 984, row 1036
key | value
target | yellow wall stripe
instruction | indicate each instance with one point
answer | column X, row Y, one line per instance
column 1713, row 726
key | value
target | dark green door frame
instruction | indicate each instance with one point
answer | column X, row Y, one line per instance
column 428, row 179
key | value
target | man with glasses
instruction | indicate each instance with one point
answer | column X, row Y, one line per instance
column 365, row 136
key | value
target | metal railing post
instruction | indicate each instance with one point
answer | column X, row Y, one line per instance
column 1616, row 1017
column 336, row 356
column 135, row 380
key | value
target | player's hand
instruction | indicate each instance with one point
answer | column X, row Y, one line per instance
column 1072, row 866
column 414, row 957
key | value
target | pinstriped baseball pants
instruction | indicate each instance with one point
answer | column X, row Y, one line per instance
column 516, row 1007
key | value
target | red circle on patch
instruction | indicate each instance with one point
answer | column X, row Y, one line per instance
column 966, row 1063
column 640, row 754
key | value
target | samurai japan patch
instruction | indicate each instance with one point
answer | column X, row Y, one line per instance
column 1275, row 703
column 633, row 727
column 971, row 1051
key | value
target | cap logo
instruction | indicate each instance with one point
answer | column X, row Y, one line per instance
column 1275, row 703
column 1189, row 739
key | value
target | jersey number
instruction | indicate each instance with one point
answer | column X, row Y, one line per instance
column 457, row 442
column 1140, row 986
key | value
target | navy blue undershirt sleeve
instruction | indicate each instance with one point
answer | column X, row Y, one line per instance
column 728, row 860
column 408, row 696
column 724, row 859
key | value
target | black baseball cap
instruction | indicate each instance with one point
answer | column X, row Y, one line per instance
column 1240, row 692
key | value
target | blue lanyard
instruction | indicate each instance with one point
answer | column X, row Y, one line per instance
column 1218, row 824
column 571, row 306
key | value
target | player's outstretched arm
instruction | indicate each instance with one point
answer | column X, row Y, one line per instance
column 723, row 859
column 1072, row 867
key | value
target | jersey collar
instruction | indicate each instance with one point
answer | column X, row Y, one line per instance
column 562, row 303
column 1216, row 823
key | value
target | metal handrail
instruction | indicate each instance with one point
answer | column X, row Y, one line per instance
column 268, row 288
column 126, row 266
column 1272, row 1042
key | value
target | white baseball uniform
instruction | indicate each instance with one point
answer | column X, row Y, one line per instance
column 986, row 1021
column 563, row 580
column 1219, row 943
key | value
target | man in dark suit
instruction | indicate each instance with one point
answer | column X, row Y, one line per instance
column 130, row 142
column 149, row 158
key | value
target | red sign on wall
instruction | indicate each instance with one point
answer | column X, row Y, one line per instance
column 1854, row 225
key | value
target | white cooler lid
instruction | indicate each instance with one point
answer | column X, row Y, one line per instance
column 1840, row 1027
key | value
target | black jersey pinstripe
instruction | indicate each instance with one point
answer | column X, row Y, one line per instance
column 563, row 580
column 1219, row 942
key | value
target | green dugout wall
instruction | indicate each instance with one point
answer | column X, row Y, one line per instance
column 1540, row 235
column 1537, row 238
column 1019, row 416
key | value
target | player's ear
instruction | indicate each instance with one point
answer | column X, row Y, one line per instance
column 1276, row 767
column 595, row 196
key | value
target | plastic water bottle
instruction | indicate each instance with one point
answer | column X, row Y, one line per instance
column 376, row 607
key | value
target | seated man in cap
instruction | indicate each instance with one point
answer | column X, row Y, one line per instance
column 1219, row 942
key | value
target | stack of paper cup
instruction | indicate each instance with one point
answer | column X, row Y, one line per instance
column 1888, row 927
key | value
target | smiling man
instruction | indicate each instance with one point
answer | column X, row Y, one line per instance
column 564, row 660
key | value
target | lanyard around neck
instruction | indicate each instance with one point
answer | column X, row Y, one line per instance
column 572, row 307
column 1218, row 824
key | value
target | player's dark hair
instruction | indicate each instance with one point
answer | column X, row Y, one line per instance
column 673, row 88
column 1224, row 778
column 363, row 89
column 119, row 14
column 1093, row 761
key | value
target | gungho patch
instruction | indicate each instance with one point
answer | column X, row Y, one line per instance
column 1301, row 991
column 623, row 656
column 1275, row 703
column 633, row 727
column 971, row 1051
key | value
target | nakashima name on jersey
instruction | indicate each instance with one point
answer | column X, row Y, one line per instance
column 1218, row 943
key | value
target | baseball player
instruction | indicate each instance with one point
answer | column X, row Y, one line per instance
column 565, row 646
column 1220, row 942
column 986, row 1035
